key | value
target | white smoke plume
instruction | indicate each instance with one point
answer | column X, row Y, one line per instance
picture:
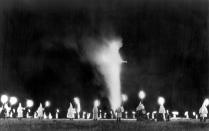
column 105, row 55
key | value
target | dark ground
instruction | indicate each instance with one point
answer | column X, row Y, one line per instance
column 101, row 125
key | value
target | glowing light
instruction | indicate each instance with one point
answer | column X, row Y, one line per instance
column 124, row 97
column 161, row 100
column 96, row 103
column 4, row 99
column 175, row 113
column 109, row 61
column 57, row 110
column 105, row 115
column 154, row 112
column 29, row 103
column 50, row 116
column 194, row 113
column 47, row 103
column 133, row 113
column 13, row 100
column 142, row 95
column 88, row 115
column 77, row 101
column 186, row 113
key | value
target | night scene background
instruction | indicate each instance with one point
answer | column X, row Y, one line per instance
column 165, row 43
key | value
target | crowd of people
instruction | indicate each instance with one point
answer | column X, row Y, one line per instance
column 141, row 115
column 161, row 115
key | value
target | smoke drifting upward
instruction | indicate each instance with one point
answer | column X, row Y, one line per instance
column 108, row 61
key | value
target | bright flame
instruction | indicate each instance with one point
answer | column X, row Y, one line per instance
column 47, row 103
column 29, row 103
column 186, row 113
column 77, row 101
column 4, row 99
column 154, row 112
column 142, row 95
column 13, row 100
column 161, row 100
column 109, row 63
column 96, row 103
column 124, row 97
column 175, row 112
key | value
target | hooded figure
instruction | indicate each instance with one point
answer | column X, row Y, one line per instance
column 71, row 112
column 119, row 112
column 8, row 109
column 35, row 115
column 140, row 112
column 203, row 111
column 50, row 116
column 28, row 114
column 57, row 114
column 2, row 111
column 45, row 116
column 161, row 113
column 1, row 108
column 167, row 115
column 20, row 111
column 40, row 111
column 95, row 113
column 140, row 107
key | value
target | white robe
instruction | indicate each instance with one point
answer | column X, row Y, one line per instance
column 7, row 110
column 95, row 113
column 40, row 112
column 203, row 111
column 20, row 112
column 140, row 107
column 119, row 112
column 71, row 113
column 162, row 109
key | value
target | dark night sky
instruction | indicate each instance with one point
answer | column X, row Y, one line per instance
column 165, row 44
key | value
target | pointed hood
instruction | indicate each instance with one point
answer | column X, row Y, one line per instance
column 71, row 106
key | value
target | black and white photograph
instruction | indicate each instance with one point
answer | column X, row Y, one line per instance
column 104, row 65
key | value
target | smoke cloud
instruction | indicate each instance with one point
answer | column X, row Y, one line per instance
column 108, row 61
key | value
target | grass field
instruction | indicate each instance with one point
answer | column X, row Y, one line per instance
column 101, row 125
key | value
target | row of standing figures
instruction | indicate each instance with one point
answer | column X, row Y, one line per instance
column 161, row 115
column 8, row 112
column 140, row 115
